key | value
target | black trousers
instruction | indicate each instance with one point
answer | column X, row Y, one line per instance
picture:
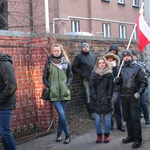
column 131, row 115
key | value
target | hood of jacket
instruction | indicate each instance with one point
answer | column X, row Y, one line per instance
column 5, row 57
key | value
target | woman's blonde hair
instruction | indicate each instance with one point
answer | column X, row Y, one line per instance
column 62, row 50
column 108, row 64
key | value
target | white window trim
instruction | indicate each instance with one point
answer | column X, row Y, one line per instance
column 122, row 31
column 134, row 3
column 121, row 1
column 106, row 30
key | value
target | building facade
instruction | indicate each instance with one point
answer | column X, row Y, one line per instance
column 104, row 18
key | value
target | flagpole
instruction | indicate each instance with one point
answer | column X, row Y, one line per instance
column 129, row 42
column 127, row 49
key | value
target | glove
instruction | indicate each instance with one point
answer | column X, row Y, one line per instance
column 94, row 97
column 113, row 63
column 117, row 80
column 137, row 95
column 109, row 97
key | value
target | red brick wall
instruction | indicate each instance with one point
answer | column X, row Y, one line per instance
column 32, row 114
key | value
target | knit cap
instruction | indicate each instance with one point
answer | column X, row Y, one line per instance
column 85, row 44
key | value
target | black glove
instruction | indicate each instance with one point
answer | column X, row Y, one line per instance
column 94, row 97
column 117, row 80
column 109, row 97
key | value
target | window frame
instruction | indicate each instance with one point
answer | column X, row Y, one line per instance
column 122, row 31
column 122, row 2
column 106, row 28
column 135, row 3
column 75, row 26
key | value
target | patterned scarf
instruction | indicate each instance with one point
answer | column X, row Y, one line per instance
column 101, row 72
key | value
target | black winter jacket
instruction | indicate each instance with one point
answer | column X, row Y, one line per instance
column 84, row 64
column 101, row 88
column 8, row 84
column 132, row 80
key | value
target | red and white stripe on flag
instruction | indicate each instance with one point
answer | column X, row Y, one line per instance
column 143, row 31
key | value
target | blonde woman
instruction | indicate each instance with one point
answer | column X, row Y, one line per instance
column 58, row 77
column 101, row 86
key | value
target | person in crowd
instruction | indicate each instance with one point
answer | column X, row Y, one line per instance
column 8, row 87
column 115, row 62
column 133, row 82
column 58, row 77
column 143, row 103
column 101, row 87
column 83, row 64
column 114, row 49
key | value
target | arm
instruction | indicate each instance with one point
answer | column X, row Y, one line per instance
column 69, row 75
column 76, row 65
column 10, row 83
column 46, row 74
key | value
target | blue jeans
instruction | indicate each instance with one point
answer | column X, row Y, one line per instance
column 98, row 123
column 62, row 122
column 117, row 107
column 86, row 85
column 5, row 132
column 144, row 107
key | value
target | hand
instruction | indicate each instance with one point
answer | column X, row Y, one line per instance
column 94, row 97
column 137, row 95
column 117, row 79
column 109, row 97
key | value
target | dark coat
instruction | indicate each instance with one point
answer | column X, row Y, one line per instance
column 8, row 84
column 101, row 88
column 84, row 64
column 132, row 80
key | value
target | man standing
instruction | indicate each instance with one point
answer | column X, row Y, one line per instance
column 8, row 86
column 84, row 64
column 133, row 82
column 143, row 103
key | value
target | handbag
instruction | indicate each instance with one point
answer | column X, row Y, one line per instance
column 45, row 94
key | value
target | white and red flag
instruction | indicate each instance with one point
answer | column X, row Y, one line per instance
column 143, row 31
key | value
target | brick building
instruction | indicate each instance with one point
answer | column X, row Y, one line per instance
column 103, row 18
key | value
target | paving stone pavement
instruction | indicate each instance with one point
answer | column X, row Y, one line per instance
column 87, row 142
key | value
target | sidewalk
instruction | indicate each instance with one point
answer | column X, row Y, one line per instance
column 87, row 142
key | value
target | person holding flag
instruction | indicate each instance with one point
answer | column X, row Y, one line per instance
column 133, row 82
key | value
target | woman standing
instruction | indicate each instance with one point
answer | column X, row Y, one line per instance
column 58, row 77
column 101, row 86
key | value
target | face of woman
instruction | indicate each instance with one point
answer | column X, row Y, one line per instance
column 56, row 51
column 101, row 64
column 110, row 59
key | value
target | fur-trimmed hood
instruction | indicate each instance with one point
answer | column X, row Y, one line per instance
column 114, row 56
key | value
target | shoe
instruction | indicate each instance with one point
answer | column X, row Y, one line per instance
column 136, row 144
column 67, row 140
column 59, row 138
column 128, row 139
column 112, row 128
column 99, row 138
column 147, row 122
column 91, row 116
column 106, row 138
column 121, row 129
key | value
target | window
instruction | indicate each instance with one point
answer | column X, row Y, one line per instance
column 3, row 15
column 122, row 32
column 106, row 30
column 135, row 3
column 121, row 1
column 75, row 27
column 106, row 0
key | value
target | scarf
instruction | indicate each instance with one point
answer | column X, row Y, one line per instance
column 101, row 72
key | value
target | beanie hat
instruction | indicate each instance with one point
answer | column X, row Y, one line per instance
column 85, row 44
column 133, row 52
column 113, row 46
column 126, row 52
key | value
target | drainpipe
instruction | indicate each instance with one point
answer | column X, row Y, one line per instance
column 31, row 15
column 83, row 18
column 47, row 16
